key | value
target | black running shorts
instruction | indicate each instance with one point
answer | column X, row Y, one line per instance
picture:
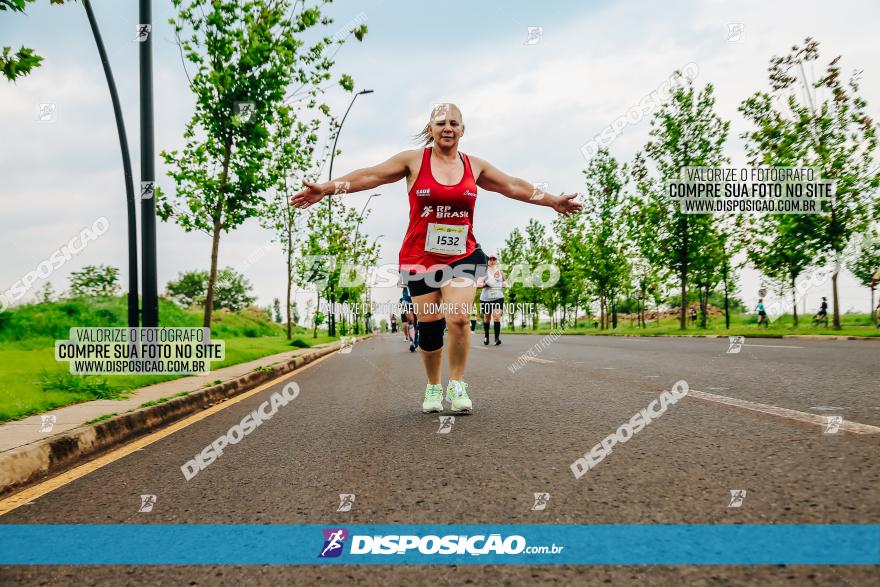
column 419, row 284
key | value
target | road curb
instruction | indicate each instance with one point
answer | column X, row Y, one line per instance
column 47, row 457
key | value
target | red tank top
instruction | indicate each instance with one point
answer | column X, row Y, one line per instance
column 431, row 202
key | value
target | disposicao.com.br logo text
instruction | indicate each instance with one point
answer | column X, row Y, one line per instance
column 334, row 539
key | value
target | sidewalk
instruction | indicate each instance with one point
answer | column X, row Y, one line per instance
column 21, row 432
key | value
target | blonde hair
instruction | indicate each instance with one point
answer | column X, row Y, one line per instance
column 426, row 137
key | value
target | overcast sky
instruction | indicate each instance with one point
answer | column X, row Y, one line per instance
column 528, row 108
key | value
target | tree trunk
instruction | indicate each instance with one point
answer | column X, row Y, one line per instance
column 873, row 312
column 212, row 278
column 289, row 282
column 704, row 305
column 794, row 314
column 726, row 300
column 215, row 237
column 682, row 315
column 834, row 293
column 315, row 317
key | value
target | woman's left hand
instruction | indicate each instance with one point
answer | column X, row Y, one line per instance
column 566, row 204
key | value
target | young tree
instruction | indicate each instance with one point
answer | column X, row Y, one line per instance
column 46, row 294
column 865, row 264
column 276, row 311
column 513, row 255
column 685, row 132
column 605, row 239
column 294, row 144
column 648, row 272
column 780, row 247
column 569, row 257
column 538, row 254
column 828, row 128
column 246, row 53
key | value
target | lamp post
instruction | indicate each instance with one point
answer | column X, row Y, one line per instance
column 133, row 310
column 336, row 138
column 150, row 298
column 331, row 327
column 361, row 216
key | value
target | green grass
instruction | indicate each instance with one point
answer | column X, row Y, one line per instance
column 740, row 325
column 33, row 382
column 102, row 418
column 162, row 400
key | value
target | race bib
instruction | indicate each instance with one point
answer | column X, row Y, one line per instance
column 446, row 239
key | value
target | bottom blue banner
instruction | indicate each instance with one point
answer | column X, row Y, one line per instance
column 615, row 544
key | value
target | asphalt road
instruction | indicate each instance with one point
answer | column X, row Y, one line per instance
column 356, row 428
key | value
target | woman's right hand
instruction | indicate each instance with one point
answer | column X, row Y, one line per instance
column 312, row 194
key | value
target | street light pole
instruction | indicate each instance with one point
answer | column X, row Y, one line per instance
column 150, row 299
column 361, row 216
column 331, row 327
column 133, row 310
column 336, row 138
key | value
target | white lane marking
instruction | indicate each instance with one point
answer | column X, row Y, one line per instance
column 651, row 376
column 578, row 362
column 846, row 425
column 537, row 360
column 610, row 368
column 775, row 346
column 719, row 388
column 829, row 408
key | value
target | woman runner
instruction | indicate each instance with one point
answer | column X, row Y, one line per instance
column 440, row 259
column 492, row 299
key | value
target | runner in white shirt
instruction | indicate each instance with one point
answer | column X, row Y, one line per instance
column 492, row 299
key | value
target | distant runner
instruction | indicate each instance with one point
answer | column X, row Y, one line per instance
column 410, row 321
column 492, row 299
column 822, row 314
column 762, row 314
column 440, row 259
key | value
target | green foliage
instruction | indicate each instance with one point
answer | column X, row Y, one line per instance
column 189, row 288
column 605, row 245
column 685, row 132
column 162, row 400
column 46, row 322
column 95, row 280
column 245, row 52
column 94, row 387
column 19, row 64
column 276, row 309
column 823, row 124
column 102, row 418
column 23, row 61
column 233, row 290
column 865, row 262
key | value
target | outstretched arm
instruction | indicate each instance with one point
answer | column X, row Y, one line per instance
column 490, row 178
column 394, row 169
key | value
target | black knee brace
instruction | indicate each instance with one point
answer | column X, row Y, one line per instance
column 431, row 334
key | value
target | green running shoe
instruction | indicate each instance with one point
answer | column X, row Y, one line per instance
column 433, row 401
column 456, row 393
